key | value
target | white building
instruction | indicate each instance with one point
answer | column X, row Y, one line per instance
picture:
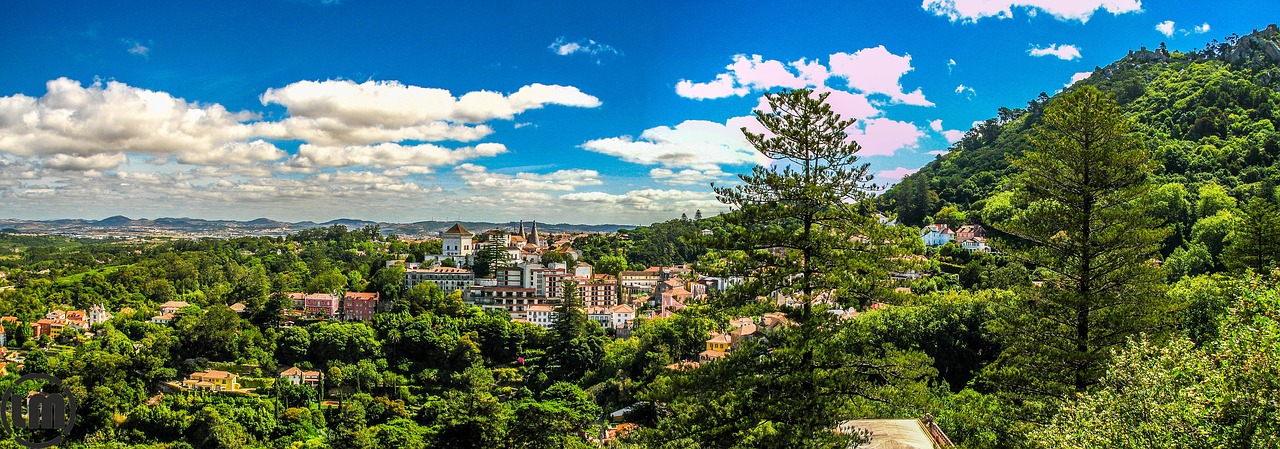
column 541, row 315
column 457, row 241
column 937, row 234
column 448, row 279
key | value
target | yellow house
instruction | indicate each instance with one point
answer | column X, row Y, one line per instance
column 717, row 347
column 212, row 380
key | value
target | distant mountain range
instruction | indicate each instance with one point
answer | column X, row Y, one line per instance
column 125, row 226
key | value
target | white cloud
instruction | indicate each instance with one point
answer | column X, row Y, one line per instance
column 696, row 144
column 1077, row 77
column 113, row 118
column 970, row 11
column 1201, row 29
column 952, row 135
column 951, row 64
column 336, row 112
column 234, row 153
column 648, row 200
column 388, row 155
column 884, row 137
column 938, row 152
column 870, row 71
column 1166, row 28
column 685, row 177
column 966, row 91
column 480, row 179
column 1063, row 52
column 136, row 48
column 564, row 47
column 101, row 161
column 896, row 174
column 877, row 71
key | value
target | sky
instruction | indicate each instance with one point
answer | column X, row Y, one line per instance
column 578, row 112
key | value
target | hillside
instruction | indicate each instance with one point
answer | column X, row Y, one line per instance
column 1209, row 116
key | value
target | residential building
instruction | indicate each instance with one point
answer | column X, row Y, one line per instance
column 937, row 234
column 542, row 315
column 509, row 276
column 718, row 346
column 634, row 284
column 967, row 232
column 172, row 307
column 239, row 308
column 299, row 300
column 975, row 244
column 212, row 380
column 3, row 339
column 359, row 306
column 622, row 316
column 165, row 318
column 298, row 376
column 449, row 279
column 513, row 300
column 600, row 291
column 321, row 304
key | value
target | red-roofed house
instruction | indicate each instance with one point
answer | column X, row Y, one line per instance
column 321, row 304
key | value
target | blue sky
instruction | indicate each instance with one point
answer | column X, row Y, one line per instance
column 584, row 112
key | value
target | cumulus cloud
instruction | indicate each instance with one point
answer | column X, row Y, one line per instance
column 111, row 118
column 870, row 71
column 970, row 11
column 335, row 112
column 696, row 144
column 390, row 155
column 234, row 153
column 648, row 200
column 564, row 47
column 884, row 137
column 686, row 177
column 966, row 91
column 895, row 174
column 952, row 135
column 101, row 161
column 1201, row 29
column 877, row 71
column 1063, row 52
column 479, row 178
column 1166, row 28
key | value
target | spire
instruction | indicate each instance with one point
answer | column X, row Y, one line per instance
column 522, row 229
column 534, row 238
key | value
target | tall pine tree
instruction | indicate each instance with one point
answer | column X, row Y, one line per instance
column 803, row 235
column 1087, row 223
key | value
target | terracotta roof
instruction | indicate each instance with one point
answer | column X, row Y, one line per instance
column 174, row 304
column 238, row 307
column 292, row 371
column 457, row 229
column 709, row 354
column 440, row 270
column 539, row 308
column 365, row 296
column 745, row 330
column 719, row 338
column 212, row 374
column 623, row 308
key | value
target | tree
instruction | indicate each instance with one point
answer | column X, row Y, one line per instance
column 800, row 231
column 577, row 343
column 611, row 264
column 488, row 257
column 1085, row 180
column 1254, row 241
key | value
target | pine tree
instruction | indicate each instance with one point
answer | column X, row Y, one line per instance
column 803, row 234
column 1255, row 238
column 577, row 344
column 1088, row 225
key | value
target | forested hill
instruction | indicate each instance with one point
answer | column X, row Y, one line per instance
column 1209, row 116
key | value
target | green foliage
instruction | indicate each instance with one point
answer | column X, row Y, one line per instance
column 1088, row 216
column 1177, row 394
